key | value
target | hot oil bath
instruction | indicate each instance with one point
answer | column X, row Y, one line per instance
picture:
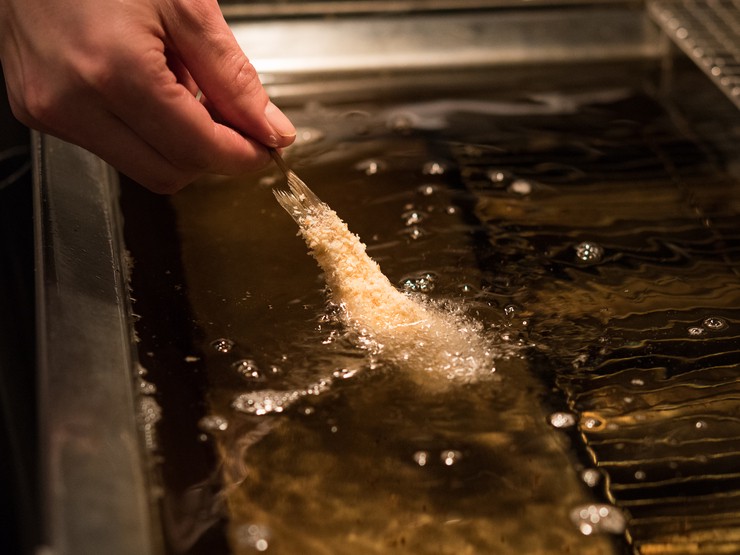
column 565, row 222
column 329, row 451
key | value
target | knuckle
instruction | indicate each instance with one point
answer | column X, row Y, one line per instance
column 98, row 75
column 195, row 12
column 246, row 79
column 38, row 107
column 103, row 71
column 198, row 18
column 20, row 112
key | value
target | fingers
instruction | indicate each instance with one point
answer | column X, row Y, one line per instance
column 181, row 73
column 117, row 144
column 114, row 141
column 88, row 122
column 92, row 127
column 206, row 45
column 115, row 89
column 166, row 115
column 155, row 144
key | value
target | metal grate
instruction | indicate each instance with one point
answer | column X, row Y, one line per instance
column 709, row 32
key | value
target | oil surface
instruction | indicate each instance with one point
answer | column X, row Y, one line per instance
column 593, row 239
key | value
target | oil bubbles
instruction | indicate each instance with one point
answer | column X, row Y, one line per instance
column 345, row 373
column 468, row 289
column 591, row 477
column 413, row 217
column 710, row 324
column 248, row 369
column 715, row 323
column 514, row 185
column 562, row 420
column 264, row 402
column 271, row 401
column 435, row 167
column 589, row 252
column 222, row 345
column 597, row 518
column 213, row 423
column 510, row 310
column 520, row 187
column 370, row 166
column 427, row 190
column 496, row 176
column 592, row 423
column 414, row 233
column 253, row 536
column 150, row 413
column 308, row 136
column 146, row 387
column 422, row 283
column 448, row 457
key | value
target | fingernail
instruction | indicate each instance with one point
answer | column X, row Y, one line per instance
column 279, row 121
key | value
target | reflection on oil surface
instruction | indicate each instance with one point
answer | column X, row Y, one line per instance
column 594, row 242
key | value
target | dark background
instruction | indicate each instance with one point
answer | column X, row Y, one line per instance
column 18, row 462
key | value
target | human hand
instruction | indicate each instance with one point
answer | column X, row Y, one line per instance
column 120, row 78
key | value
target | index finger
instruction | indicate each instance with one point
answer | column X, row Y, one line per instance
column 208, row 48
column 166, row 115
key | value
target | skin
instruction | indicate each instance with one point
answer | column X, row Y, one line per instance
column 119, row 78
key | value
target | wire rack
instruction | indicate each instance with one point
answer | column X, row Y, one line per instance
column 709, row 32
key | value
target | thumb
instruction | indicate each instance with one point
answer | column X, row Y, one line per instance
column 200, row 36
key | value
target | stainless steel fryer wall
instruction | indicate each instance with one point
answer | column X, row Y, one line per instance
column 95, row 490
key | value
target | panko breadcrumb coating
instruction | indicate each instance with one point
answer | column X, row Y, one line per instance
column 414, row 334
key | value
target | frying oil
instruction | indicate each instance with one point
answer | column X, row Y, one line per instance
column 569, row 227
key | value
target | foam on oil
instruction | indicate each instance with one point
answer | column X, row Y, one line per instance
column 432, row 343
